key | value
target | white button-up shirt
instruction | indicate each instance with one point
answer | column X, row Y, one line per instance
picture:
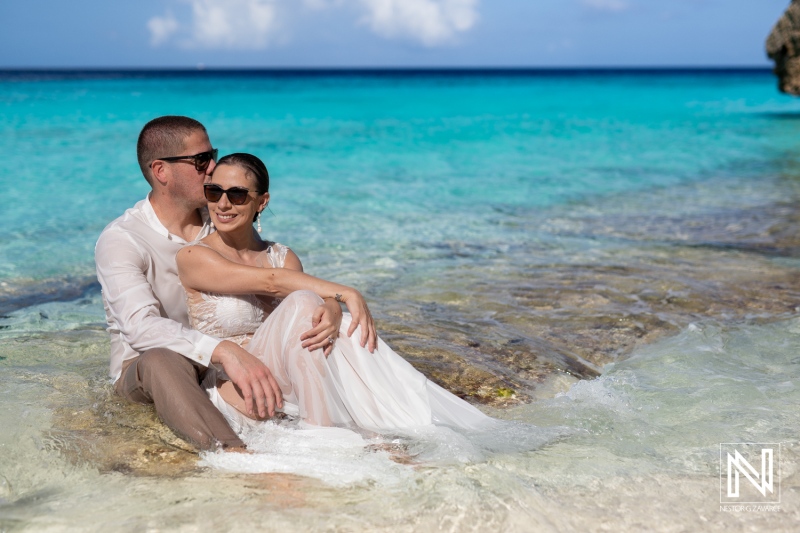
column 144, row 301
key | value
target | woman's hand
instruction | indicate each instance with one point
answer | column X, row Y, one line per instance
column 326, row 321
column 357, row 306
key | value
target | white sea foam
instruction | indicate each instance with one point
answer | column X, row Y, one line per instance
column 334, row 455
column 340, row 457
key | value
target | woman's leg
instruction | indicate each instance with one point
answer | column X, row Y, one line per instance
column 303, row 376
column 353, row 387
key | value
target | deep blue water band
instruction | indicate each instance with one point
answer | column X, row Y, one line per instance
column 455, row 72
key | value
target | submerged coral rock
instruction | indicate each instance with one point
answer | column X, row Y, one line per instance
column 783, row 47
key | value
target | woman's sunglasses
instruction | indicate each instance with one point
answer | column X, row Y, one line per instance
column 236, row 195
column 201, row 160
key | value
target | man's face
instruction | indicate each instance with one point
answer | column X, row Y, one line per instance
column 186, row 184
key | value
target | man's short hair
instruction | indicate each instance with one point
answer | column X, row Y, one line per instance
column 164, row 137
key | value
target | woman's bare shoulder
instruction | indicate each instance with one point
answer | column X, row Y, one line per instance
column 196, row 251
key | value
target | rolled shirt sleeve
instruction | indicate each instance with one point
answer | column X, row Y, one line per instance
column 144, row 302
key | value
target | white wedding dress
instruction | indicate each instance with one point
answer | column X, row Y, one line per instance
column 351, row 389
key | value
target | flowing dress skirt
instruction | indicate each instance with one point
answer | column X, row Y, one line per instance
column 351, row 388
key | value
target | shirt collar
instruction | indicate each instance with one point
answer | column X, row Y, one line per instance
column 152, row 220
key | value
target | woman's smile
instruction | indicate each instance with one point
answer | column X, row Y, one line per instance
column 226, row 214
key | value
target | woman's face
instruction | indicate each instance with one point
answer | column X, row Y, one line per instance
column 226, row 215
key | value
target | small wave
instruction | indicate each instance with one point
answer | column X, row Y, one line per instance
column 336, row 456
column 340, row 457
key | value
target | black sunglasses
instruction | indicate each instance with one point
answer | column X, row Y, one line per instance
column 201, row 160
column 236, row 195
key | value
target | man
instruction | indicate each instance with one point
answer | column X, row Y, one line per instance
column 155, row 356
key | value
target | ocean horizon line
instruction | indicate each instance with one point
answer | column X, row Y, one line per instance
column 203, row 71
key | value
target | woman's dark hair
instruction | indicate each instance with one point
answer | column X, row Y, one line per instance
column 252, row 165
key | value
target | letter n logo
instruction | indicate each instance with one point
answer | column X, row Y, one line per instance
column 739, row 465
column 738, row 460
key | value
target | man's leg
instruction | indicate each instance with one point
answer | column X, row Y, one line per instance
column 172, row 382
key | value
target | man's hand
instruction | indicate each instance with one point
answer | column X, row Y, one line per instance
column 325, row 326
column 260, row 390
column 361, row 317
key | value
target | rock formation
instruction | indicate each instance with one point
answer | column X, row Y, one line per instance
column 783, row 47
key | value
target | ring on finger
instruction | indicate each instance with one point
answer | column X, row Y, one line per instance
column 330, row 339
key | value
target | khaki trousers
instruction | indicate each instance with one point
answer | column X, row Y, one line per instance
column 171, row 382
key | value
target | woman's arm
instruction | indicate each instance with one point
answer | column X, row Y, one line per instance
column 204, row 269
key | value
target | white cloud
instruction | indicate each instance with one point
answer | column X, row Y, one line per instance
column 161, row 28
column 607, row 5
column 233, row 24
column 253, row 24
column 431, row 22
column 323, row 4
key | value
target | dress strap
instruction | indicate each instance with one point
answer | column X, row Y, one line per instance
column 276, row 254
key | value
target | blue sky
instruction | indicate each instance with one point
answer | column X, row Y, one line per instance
column 385, row 33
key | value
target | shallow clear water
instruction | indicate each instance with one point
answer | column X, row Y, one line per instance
column 641, row 452
column 509, row 221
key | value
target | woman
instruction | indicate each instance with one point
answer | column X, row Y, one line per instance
column 327, row 377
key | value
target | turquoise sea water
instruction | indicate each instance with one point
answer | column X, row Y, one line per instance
column 448, row 198
column 372, row 164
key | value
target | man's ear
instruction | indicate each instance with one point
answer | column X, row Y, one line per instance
column 160, row 172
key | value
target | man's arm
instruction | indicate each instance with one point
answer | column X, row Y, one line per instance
column 134, row 314
column 132, row 307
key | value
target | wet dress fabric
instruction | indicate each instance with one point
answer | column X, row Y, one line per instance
column 351, row 388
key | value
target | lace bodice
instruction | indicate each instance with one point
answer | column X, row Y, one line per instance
column 234, row 318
